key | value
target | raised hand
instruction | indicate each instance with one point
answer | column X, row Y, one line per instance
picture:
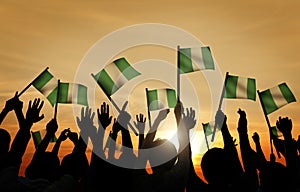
column 33, row 111
column 103, row 115
column 284, row 125
column 255, row 137
column 242, row 123
column 13, row 103
column 64, row 134
column 52, row 127
column 86, row 123
column 188, row 118
column 73, row 136
column 140, row 123
column 124, row 117
column 178, row 111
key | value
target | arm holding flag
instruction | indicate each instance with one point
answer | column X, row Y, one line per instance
column 9, row 106
column 62, row 137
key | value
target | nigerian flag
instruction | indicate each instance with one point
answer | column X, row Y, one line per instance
column 240, row 87
column 195, row 59
column 113, row 76
column 72, row 93
column 161, row 99
column 39, row 135
column 207, row 129
column 276, row 97
column 46, row 83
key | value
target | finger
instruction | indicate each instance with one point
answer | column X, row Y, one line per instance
column 82, row 112
column 102, row 109
column 124, row 106
column 137, row 117
column 93, row 115
column 107, row 109
column 144, row 120
column 41, row 105
column 90, row 112
column 41, row 117
column 16, row 94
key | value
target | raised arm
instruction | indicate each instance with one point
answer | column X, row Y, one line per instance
column 9, row 106
column 62, row 137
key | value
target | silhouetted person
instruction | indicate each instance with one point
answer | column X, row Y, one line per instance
column 170, row 168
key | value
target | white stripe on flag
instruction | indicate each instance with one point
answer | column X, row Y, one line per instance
column 71, row 92
column 278, row 97
column 49, row 87
column 197, row 60
column 241, row 88
column 115, row 74
column 162, row 98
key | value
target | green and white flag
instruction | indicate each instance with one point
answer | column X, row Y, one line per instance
column 38, row 136
column 207, row 129
column 240, row 88
column 195, row 59
column 73, row 93
column 161, row 99
column 46, row 83
column 276, row 97
column 113, row 76
column 275, row 132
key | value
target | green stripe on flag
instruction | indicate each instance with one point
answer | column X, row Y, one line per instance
column 36, row 136
column 268, row 102
column 126, row 69
column 52, row 97
column 274, row 131
column 172, row 100
column 231, row 86
column 207, row 58
column 42, row 80
column 152, row 100
column 105, row 82
column 185, row 61
column 82, row 95
column 63, row 93
column 287, row 93
column 251, row 89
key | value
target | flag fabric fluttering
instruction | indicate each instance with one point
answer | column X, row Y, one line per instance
column 39, row 135
column 46, row 83
column 195, row 59
column 276, row 97
column 237, row 87
column 74, row 93
column 207, row 129
column 161, row 99
column 113, row 76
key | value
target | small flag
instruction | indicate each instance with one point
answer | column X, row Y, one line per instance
column 276, row 97
column 275, row 132
column 46, row 83
column 195, row 59
column 240, row 88
column 207, row 129
column 38, row 136
column 161, row 99
column 72, row 93
column 115, row 75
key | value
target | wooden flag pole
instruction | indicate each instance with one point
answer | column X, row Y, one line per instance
column 27, row 87
column 115, row 105
column 149, row 115
column 268, row 122
column 220, row 106
column 57, row 96
column 205, row 136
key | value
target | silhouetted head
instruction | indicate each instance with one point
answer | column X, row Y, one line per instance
column 162, row 150
column 274, row 177
column 216, row 167
column 4, row 142
column 76, row 165
column 45, row 166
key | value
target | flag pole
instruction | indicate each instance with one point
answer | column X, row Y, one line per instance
column 27, row 87
column 205, row 136
column 114, row 104
column 220, row 106
column 268, row 122
column 178, row 74
column 57, row 96
column 149, row 115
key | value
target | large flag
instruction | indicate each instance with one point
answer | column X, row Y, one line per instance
column 72, row 93
column 161, row 99
column 276, row 97
column 113, row 76
column 38, row 136
column 240, row 87
column 195, row 59
column 46, row 83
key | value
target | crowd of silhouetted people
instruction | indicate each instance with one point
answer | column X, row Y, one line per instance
column 171, row 168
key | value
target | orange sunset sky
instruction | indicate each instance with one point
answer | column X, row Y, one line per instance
column 257, row 39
